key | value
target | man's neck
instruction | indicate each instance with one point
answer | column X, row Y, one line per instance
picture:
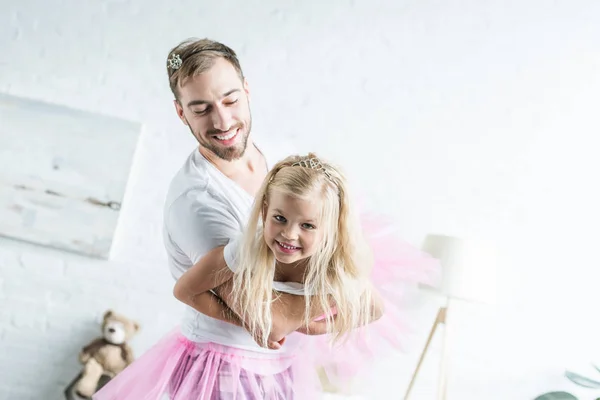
column 251, row 161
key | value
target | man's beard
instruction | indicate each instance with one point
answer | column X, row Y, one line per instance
column 227, row 153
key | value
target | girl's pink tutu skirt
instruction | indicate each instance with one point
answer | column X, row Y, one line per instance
column 398, row 269
column 179, row 369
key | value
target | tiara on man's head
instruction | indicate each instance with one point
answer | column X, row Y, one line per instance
column 175, row 62
column 313, row 163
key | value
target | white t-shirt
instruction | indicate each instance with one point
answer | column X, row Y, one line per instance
column 205, row 209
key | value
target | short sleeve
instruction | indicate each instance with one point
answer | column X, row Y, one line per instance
column 197, row 226
column 230, row 252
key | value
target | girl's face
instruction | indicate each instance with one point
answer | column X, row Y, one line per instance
column 291, row 228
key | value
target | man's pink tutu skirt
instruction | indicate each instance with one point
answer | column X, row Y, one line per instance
column 179, row 369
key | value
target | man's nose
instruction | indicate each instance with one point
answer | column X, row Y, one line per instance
column 221, row 119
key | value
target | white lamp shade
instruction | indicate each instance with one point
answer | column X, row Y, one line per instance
column 468, row 267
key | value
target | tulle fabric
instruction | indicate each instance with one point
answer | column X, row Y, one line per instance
column 399, row 268
column 179, row 369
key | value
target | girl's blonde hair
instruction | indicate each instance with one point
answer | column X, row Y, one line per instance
column 336, row 275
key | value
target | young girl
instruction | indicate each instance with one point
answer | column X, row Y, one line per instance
column 302, row 238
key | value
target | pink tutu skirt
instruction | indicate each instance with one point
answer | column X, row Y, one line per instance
column 398, row 269
column 179, row 369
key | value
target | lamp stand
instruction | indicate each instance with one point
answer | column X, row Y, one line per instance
column 441, row 318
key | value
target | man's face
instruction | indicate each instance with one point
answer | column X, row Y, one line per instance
column 215, row 106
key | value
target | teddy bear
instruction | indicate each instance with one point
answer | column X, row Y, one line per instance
column 108, row 354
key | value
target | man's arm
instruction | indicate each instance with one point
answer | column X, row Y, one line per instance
column 194, row 287
column 287, row 310
column 314, row 328
column 211, row 273
column 201, row 229
column 199, row 226
column 208, row 273
column 209, row 304
column 319, row 327
column 289, row 315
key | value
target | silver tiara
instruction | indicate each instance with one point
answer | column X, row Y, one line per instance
column 312, row 163
column 175, row 62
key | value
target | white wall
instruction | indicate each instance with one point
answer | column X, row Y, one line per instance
column 463, row 117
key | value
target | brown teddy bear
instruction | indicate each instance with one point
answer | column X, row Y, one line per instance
column 108, row 354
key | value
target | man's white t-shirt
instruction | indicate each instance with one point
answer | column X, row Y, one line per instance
column 205, row 209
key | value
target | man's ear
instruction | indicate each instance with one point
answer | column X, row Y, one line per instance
column 247, row 88
column 179, row 111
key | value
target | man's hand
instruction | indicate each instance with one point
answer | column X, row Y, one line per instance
column 275, row 345
column 314, row 328
column 225, row 290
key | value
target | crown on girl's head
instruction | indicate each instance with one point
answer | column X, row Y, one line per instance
column 312, row 163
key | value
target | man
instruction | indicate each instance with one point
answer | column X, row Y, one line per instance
column 209, row 199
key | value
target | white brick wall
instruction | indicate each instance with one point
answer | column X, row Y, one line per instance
column 479, row 113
